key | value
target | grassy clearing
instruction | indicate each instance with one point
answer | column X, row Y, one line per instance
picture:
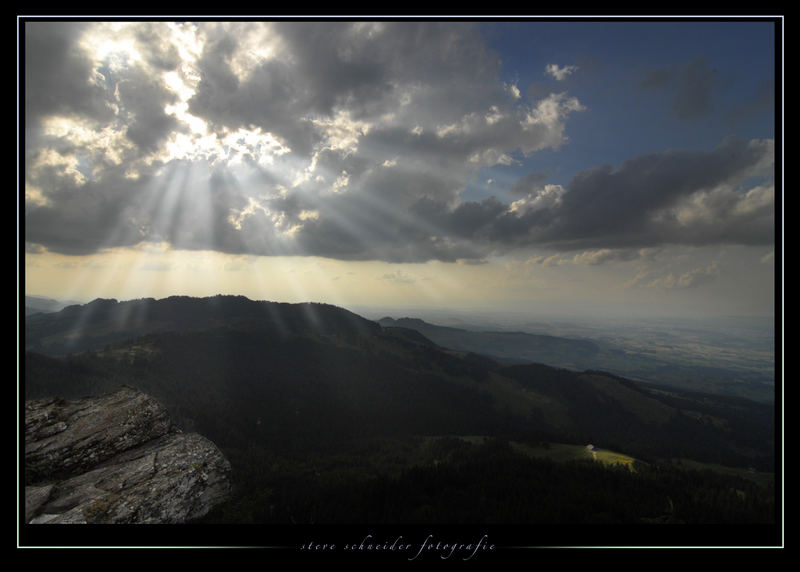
column 562, row 452
column 614, row 458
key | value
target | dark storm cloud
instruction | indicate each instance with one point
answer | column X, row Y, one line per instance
column 381, row 127
column 674, row 197
column 607, row 202
column 762, row 100
column 375, row 241
column 86, row 217
column 391, row 113
column 529, row 183
column 692, row 87
column 184, row 205
column 267, row 98
column 337, row 66
column 61, row 79
column 58, row 76
column 357, row 226
column 695, row 87
column 657, row 79
column 160, row 56
column 143, row 101
column 333, row 65
column 471, row 220
column 632, row 206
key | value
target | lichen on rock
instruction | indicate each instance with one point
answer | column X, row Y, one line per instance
column 117, row 459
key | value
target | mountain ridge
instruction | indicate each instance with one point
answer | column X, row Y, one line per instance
column 579, row 353
column 335, row 361
column 102, row 321
column 316, row 407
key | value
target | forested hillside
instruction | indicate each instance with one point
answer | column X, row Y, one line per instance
column 335, row 419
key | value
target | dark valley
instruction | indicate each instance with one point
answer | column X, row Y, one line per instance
column 331, row 419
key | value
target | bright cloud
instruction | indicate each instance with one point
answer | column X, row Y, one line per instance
column 269, row 105
column 560, row 73
column 396, row 142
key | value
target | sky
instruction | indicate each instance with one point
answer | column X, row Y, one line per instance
column 605, row 167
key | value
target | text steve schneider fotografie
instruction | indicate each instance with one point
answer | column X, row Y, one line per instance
column 443, row 549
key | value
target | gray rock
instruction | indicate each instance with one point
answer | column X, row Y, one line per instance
column 117, row 459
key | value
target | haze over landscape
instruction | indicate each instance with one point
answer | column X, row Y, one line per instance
column 358, row 255
column 611, row 168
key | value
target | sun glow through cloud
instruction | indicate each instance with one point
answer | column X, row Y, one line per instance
column 393, row 163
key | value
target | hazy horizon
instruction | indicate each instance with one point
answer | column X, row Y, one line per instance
column 610, row 169
column 503, row 318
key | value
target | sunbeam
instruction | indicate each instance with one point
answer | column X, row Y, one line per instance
column 157, row 153
column 357, row 259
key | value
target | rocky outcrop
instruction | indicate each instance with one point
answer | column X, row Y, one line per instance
column 117, row 459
